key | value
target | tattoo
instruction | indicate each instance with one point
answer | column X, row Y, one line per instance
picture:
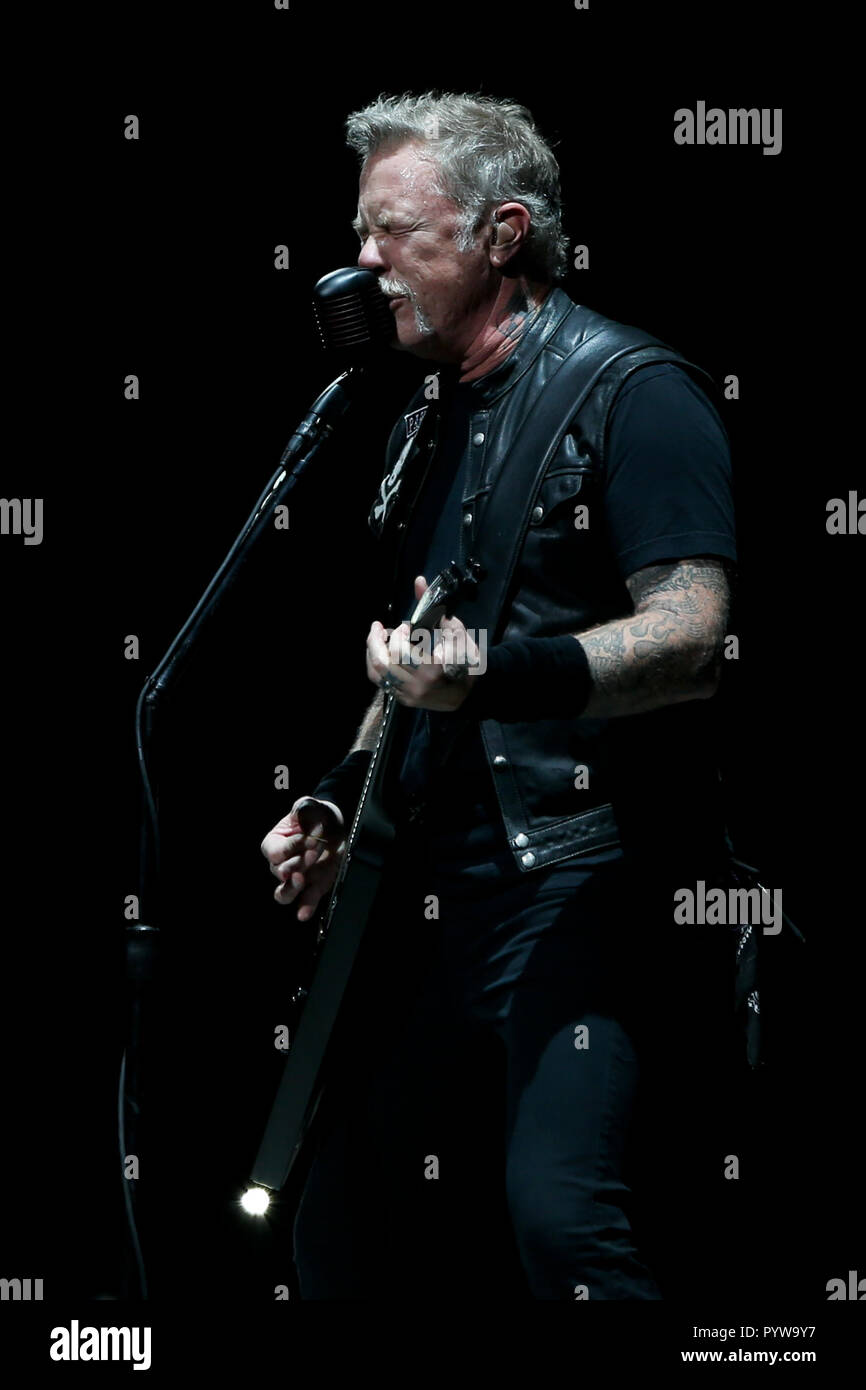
column 605, row 647
column 497, row 340
column 520, row 311
column 669, row 649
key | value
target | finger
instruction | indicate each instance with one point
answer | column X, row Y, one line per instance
column 314, row 818
column 316, row 832
column 299, row 863
column 287, row 892
column 288, row 833
column 283, row 871
column 306, row 894
column 298, row 881
column 274, row 838
column 308, row 902
column 317, row 887
column 277, row 847
column 377, row 649
column 398, row 646
column 290, row 847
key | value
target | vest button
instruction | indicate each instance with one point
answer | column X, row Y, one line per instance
column 521, row 840
column 401, row 526
column 499, row 760
column 478, row 438
column 467, row 518
column 537, row 513
column 528, row 859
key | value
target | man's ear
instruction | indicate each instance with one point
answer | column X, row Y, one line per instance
column 511, row 223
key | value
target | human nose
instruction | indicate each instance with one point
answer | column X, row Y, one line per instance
column 371, row 257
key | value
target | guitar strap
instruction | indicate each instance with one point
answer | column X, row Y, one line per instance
column 501, row 530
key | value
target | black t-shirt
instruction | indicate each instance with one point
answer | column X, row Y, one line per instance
column 667, row 495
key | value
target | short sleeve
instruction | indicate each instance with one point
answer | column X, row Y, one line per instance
column 668, row 489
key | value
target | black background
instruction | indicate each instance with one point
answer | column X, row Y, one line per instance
column 167, row 272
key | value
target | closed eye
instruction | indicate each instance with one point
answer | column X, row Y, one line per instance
column 362, row 232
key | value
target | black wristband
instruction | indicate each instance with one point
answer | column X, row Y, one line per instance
column 532, row 678
column 343, row 784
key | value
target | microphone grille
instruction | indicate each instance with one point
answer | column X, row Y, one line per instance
column 351, row 312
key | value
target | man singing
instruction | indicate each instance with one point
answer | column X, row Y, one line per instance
column 527, row 998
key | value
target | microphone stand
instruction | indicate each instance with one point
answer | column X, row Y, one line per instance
column 142, row 936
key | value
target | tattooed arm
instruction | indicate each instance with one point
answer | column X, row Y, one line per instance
column 669, row 649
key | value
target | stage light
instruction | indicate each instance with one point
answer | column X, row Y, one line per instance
column 255, row 1201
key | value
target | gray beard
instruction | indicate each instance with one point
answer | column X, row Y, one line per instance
column 422, row 322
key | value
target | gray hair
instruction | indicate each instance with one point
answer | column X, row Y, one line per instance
column 486, row 151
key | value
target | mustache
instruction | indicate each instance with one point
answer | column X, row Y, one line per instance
column 390, row 287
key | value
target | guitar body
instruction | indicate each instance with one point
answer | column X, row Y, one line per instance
column 345, row 922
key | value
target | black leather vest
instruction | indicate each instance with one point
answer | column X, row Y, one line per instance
column 565, row 579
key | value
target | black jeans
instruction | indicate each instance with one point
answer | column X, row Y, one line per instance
column 478, row 1136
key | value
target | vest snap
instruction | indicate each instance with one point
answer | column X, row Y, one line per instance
column 521, row 840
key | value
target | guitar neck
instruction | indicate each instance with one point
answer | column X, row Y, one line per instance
column 340, row 936
column 372, row 828
column 370, row 810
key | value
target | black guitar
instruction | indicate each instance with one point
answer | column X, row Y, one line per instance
column 339, row 938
